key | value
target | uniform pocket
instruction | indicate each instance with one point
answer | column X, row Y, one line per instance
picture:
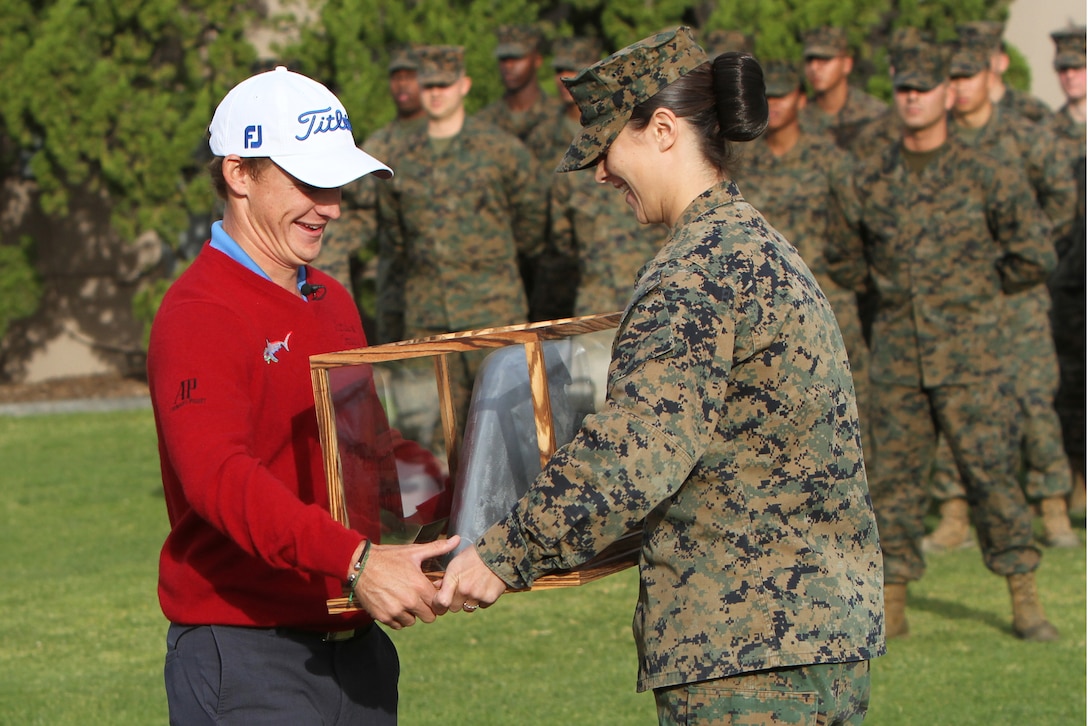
column 731, row 707
column 646, row 330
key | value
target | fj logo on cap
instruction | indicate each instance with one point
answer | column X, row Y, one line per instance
column 317, row 124
column 251, row 142
column 297, row 123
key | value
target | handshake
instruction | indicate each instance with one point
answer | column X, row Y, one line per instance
column 394, row 590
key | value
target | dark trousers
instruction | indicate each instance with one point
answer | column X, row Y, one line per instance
column 228, row 675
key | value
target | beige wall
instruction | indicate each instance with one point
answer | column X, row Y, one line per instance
column 85, row 323
column 1028, row 28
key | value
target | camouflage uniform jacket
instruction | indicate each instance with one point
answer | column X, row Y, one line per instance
column 940, row 248
column 1070, row 132
column 1025, row 104
column 520, row 123
column 730, row 439
column 358, row 220
column 550, row 139
column 457, row 219
column 860, row 108
column 795, row 192
column 357, row 228
column 1014, row 141
column 872, row 137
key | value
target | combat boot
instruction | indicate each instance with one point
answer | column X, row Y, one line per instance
column 954, row 530
column 1077, row 496
column 895, row 611
column 1057, row 531
column 1028, row 619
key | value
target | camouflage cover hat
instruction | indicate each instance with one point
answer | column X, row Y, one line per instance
column 781, row 77
column 720, row 41
column 971, row 53
column 517, row 41
column 826, row 42
column 921, row 66
column 440, row 65
column 608, row 91
column 403, row 58
column 1068, row 47
column 574, row 54
column 907, row 37
column 989, row 32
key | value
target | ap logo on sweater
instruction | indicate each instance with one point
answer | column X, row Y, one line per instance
column 272, row 348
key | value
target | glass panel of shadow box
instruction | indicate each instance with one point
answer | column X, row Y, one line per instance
column 402, row 459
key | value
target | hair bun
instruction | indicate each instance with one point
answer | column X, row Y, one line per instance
column 740, row 96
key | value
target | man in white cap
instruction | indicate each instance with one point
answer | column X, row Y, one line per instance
column 253, row 553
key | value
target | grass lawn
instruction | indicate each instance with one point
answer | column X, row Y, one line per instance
column 81, row 636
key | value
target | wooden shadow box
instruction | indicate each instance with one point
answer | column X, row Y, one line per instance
column 393, row 453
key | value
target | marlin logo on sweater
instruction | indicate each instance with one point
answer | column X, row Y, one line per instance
column 271, row 349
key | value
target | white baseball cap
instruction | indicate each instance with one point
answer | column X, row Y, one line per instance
column 296, row 122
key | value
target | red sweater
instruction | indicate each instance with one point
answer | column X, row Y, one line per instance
column 251, row 541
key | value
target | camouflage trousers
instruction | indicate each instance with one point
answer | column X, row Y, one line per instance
column 1045, row 466
column 829, row 694
column 982, row 427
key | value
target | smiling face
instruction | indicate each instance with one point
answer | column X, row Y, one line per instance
column 626, row 167
column 277, row 219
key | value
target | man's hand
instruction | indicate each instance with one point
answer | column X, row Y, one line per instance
column 392, row 586
column 468, row 584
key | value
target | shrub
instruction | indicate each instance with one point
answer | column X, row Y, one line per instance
column 20, row 288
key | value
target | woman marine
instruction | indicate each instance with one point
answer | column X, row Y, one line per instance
column 730, row 437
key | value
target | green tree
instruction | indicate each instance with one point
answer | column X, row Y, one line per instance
column 349, row 49
column 777, row 27
column 116, row 95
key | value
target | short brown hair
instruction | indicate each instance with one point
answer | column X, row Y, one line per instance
column 253, row 165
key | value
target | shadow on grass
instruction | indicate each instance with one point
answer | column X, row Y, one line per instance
column 953, row 610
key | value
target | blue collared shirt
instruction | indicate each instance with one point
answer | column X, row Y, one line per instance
column 226, row 244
